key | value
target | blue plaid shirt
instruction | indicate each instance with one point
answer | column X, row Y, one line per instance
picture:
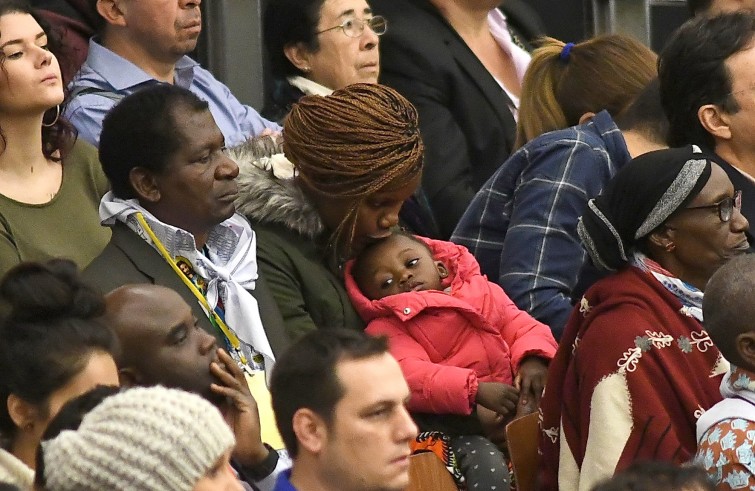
column 522, row 225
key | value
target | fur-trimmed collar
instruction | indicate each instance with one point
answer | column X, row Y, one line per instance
column 268, row 194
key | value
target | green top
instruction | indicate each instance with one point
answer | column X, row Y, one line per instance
column 309, row 295
column 67, row 226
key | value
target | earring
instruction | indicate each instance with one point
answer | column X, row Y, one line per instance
column 670, row 247
column 29, row 426
column 306, row 69
column 57, row 115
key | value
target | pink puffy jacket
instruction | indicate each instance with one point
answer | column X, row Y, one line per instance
column 447, row 342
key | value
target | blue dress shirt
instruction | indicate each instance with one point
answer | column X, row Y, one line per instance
column 111, row 73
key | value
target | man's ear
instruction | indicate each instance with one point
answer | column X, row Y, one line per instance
column 310, row 430
column 442, row 270
column 144, row 184
column 110, row 10
column 21, row 412
column 128, row 377
column 299, row 56
column 745, row 345
column 715, row 121
column 586, row 117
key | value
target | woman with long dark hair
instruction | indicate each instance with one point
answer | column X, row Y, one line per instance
column 50, row 183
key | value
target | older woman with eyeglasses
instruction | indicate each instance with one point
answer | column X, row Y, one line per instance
column 635, row 367
column 318, row 46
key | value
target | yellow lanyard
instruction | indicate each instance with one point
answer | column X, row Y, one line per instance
column 235, row 343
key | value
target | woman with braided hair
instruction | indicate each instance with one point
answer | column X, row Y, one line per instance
column 357, row 156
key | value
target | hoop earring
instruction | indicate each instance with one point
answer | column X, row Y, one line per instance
column 57, row 115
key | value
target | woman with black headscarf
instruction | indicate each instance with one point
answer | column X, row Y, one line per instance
column 635, row 368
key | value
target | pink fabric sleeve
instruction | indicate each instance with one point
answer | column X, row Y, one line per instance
column 524, row 335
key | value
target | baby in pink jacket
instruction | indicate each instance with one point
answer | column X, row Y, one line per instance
column 463, row 345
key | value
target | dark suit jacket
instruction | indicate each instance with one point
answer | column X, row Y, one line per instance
column 129, row 259
column 465, row 121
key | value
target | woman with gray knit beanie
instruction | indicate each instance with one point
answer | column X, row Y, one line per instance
column 142, row 439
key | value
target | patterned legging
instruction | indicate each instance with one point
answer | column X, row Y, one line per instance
column 483, row 465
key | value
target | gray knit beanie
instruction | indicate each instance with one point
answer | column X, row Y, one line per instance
column 153, row 438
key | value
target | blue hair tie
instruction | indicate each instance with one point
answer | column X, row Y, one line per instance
column 565, row 52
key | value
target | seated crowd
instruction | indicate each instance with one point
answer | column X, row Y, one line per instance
column 195, row 297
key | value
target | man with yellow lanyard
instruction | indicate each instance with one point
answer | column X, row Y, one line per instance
column 173, row 218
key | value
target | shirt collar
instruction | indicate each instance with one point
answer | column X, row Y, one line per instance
column 284, row 482
column 500, row 30
column 616, row 146
column 122, row 74
column 308, row 86
column 745, row 174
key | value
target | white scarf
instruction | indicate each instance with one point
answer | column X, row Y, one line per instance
column 13, row 471
column 308, row 86
column 690, row 297
column 230, row 269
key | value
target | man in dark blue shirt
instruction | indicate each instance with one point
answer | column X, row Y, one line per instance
column 339, row 400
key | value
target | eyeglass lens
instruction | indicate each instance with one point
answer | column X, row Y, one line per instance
column 355, row 28
column 727, row 205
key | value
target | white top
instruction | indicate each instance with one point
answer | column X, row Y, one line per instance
column 13, row 471
column 308, row 86
column 500, row 31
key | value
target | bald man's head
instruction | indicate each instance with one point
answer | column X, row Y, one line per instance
column 729, row 310
column 160, row 340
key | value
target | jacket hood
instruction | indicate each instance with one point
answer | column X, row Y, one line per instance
column 462, row 267
column 269, row 193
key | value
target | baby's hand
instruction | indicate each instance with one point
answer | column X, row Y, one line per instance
column 530, row 379
column 493, row 426
column 498, row 397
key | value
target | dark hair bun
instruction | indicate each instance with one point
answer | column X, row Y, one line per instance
column 37, row 292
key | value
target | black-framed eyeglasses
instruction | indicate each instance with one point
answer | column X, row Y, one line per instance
column 725, row 207
column 355, row 27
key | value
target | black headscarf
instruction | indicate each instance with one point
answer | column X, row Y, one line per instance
column 639, row 199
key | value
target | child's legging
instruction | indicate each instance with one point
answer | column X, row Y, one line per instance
column 484, row 466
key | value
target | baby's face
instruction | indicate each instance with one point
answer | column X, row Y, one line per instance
column 398, row 264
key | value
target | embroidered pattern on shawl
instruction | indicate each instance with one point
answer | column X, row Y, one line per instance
column 592, row 375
